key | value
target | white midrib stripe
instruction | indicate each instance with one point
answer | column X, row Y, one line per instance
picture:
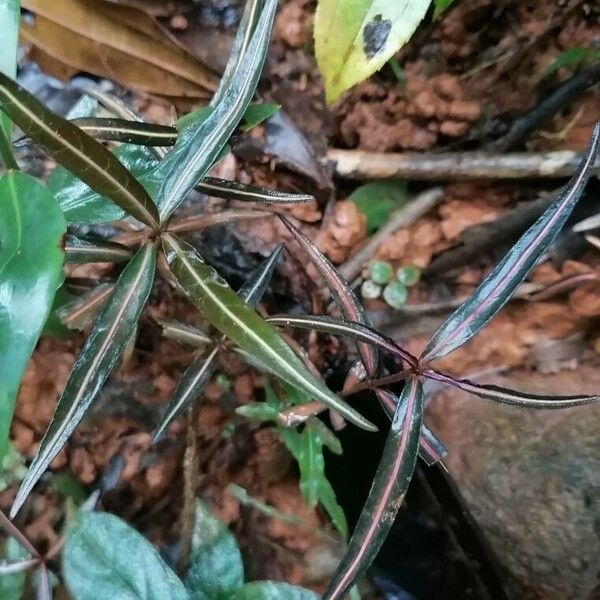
column 154, row 134
column 76, row 151
column 283, row 365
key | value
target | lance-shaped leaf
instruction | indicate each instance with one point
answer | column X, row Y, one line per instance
column 497, row 288
column 31, row 259
column 129, row 132
column 87, row 249
column 513, row 397
column 77, row 151
column 387, row 492
column 184, row 333
column 201, row 370
column 352, row 329
column 198, row 146
column 80, row 312
column 232, row 190
column 252, row 11
column 272, row 590
column 99, row 355
column 9, row 26
column 342, row 293
column 224, row 309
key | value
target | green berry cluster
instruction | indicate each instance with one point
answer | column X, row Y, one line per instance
column 382, row 279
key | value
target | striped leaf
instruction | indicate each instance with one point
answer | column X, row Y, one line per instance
column 99, row 355
column 88, row 249
column 9, row 40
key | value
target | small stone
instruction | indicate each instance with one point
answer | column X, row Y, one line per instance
column 395, row 294
column 370, row 290
column 179, row 23
column 380, row 271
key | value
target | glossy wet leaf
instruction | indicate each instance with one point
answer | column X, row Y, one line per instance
column 199, row 145
column 377, row 200
column 82, row 155
column 514, row 397
column 197, row 375
column 88, row 249
column 80, row 312
column 497, row 288
column 12, row 585
column 31, row 260
column 355, row 39
column 54, row 327
column 216, row 568
column 112, row 41
column 272, row 590
column 232, row 190
column 128, row 132
column 256, row 113
column 9, row 40
column 99, row 355
column 105, row 559
column 224, row 309
column 387, row 492
column 184, row 333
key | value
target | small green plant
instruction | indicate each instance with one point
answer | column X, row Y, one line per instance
column 382, row 281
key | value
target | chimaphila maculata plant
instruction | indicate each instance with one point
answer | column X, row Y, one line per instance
column 106, row 186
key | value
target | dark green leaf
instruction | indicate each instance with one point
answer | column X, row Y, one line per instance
column 87, row 249
column 216, row 568
column 209, row 292
column 197, row 375
column 128, row 132
column 573, row 57
column 232, row 190
column 497, row 288
column 68, row 487
column 256, row 113
column 31, row 259
column 54, row 327
column 12, row 584
column 106, row 559
column 272, row 590
column 441, row 6
column 378, row 199
column 9, row 40
column 387, row 492
column 81, row 311
column 198, row 146
column 512, row 397
column 184, row 333
column 77, row 151
column 100, row 353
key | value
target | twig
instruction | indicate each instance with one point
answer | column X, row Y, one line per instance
column 403, row 217
column 561, row 97
column 190, row 481
column 455, row 166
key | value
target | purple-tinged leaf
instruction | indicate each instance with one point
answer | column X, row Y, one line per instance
column 345, row 298
column 512, row 397
column 87, row 249
column 99, row 355
column 352, row 329
column 497, row 288
column 387, row 492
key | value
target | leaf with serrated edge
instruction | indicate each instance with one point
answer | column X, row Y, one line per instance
column 387, row 491
column 200, row 371
column 77, row 151
column 87, row 249
column 351, row 329
column 198, row 146
column 512, row 397
column 9, row 41
column 209, row 292
column 99, row 355
column 31, row 260
column 497, row 288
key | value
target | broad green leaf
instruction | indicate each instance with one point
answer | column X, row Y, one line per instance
column 200, row 371
column 83, row 249
column 9, row 40
column 12, row 585
column 512, row 397
column 497, row 288
column 256, row 113
column 31, row 259
column 273, row 590
column 387, row 491
column 377, row 200
column 81, row 154
column 106, row 559
column 216, row 568
column 198, row 146
column 353, row 39
column 100, row 353
column 224, row 309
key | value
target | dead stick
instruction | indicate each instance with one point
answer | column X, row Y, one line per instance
column 402, row 217
column 453, row 166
